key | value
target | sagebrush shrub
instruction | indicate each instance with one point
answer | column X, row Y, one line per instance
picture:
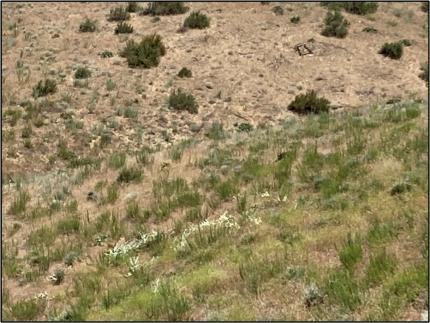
column 145, row 54
column 335, row 25
column 181, row 101
column 123, row 28
column 118, row 14
column 45, row 87
column 166, row 8
column 82, row 73
column 196, row 20
column 128, row 175
column 87, row 26
column 309, row 103
column 392, row 50
column 185, row 72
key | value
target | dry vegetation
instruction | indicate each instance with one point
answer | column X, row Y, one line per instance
column 185, row 162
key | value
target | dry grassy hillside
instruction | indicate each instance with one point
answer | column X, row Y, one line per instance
column 117, row 206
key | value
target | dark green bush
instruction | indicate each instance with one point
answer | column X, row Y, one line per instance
column 166, row 8
column 181, row 101
column 295, row 19
column 185, row 72
column 45, row 87
column 406, row 42
column 400, row 188
column 132, row 6
column 82, row 73
column 425, row 72
column 360, row 7
column 88, row 26
column 370, row 30
column 123, row 28
column 278, row 10
column 335, row 25
column 392, row 50
column 118, row 14
column 196, row 20
column 309, row 103
column 145, row 54
column 245, row 127
column 128, row 175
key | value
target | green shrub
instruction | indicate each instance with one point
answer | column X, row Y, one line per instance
column 400, row 188
column 45, row 87
column 309, row 103
column 392, row 50
column 82, row 73
column 132, row 7
column 425, row 73
column 145, row 54
column 123, row 28
column 196, row 20
column 165, row 8
column 185, row 72
column 278, row 10
column 295, row 19
column 406, row 42
column 335, row 25
column 128, row 175
column 360, row 7
column 370, row 30
column 87, row 26
column 106, row 54
column 245, row 127
column 118, row 14
column 181, row 101
column 68, row 225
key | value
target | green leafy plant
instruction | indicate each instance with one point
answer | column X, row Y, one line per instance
column 45, row 87
column 87, row 26
column 392, row 50
column 165, row 8
column 123, row 28
column 106, row 54
column 335, row 25
column 128, row 175
column 145, row 54
column 309, row 103
column 196, row 20
column 180, row 100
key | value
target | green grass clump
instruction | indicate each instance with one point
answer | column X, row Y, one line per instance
column 196, row 20
column 82, row 73
column 27, row 310
column 335, row 25
column 118, row 14
column 19, row 204
column 185, row 72
column 182, row 101
column 87, row 26
column 145, row 54
column 392, row 50
column 106, row 54
column 45, row 87
column 128, row 175
column 370, row 30
column 123, row 28
column 309, row 103
column 342, row 289
column 380, row 266
column 132, row 6
column 69, row 225
column 165, row 8
column 117, row 160
column 351, row 253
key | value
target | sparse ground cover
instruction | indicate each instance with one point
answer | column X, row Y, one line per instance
column 135, row 189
